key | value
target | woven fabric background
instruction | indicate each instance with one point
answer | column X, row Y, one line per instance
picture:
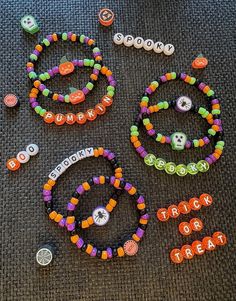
column 192, row 27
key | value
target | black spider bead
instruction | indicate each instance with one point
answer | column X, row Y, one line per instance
column 144, row 211
column 84, row 247
column 172, row 103
column 99, row 253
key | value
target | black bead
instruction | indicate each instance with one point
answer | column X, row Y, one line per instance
column 93, row 45
column 99, row 253
column 117, row 165
column 216, row 116
column 136, row 195
column 145, row 115
column 119, row 192
column 144, row 211
column 90, row 181
column 76, row 195
column 84, row 247
column 196, row 108
column 178, row 75
column 73, row 232
column 48, row 210
column 172, row 103
column 99, row 62
column 114, row 161
column 78, row 224
column 145, row 94
column 92, row 81
column 143, row 227
column 42, row 45
column 114, row 252
column 107, row 179
column 50, row 94
column 122, row 184
column 70, row 213
column 59, row 35
column 197, row 83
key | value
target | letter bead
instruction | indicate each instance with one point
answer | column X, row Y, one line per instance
column 60, row 169
column 176, row 256
column 185, row 228
column 187, row 251
column 198, row 247
column 196, row 224
column 74, row 158
column 81, row 154
column 32, row 149
column 169, row 49
column 219, row 238
column 158, row 47
column 162, row 215
column 128, row 40
column 66, row 163
column 23, row 157
column 118, row 38
column 148, row 45
column 89, row 152
column 54, row 175
column 138, row 42
column 13, row 164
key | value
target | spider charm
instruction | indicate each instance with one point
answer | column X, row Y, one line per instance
column 100, row 216
column 183, row 104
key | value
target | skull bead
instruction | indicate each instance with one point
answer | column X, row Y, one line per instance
column 178, row 140
column 29, row 24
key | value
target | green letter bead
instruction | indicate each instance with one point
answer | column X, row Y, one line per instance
column 170, row 168
column 160, row 163
column 210, row 93
column 192, row 168
column 146, row 121
column 150, row 159
column 45, row 92
column 64, row 36
column 181, row 170
column 133, row 128
column 29, row 24
column 173, row 75
column 145, row 98
column 46, row 42
column 211, row 132
column 86, row 62
column 203, row 166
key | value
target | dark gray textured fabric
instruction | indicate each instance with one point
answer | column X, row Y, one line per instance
column 192, row 27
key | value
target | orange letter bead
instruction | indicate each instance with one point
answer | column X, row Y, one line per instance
column 13, row 164
column 187, row 252
column 219, row 238
column 60, row 119
column 185, row 228
column 173, row 211
column 48, row 117
column 91, row 114
column 81, row 118
column 208, row 243
column 184, row 207
column 163, row 215
column 176, row 256
column 107, row 101
column 196, row 224
column 70, row 118
column 100, row 109
column 195, row 204
column 198, row 247
column 205, row 199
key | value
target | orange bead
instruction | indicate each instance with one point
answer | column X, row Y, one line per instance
column 208, row 243
column 49, row 117
column 149, row 126
column 168, row 76
column 219, row 238
column 58, row 218
column 206, row 89
column 108, row 73
column 70, row 219
column 187, row 252
column 117, row 183
column 132, row 191
column 81, row 118
column 29, row 64
column 100, row 151
column 195, row 204
column 73, row 37
column 74, row 201
column 134, row 139
column 70, row 118
column 215, row 128
column 176, row 256
column 89, row 249
column 90, row 220
column 91, row 114
column 216, row 106
column 102, row 180
column 199, row 63
column 39, row 48
column 112, row 202
column 66, row 68
column 91, row 42
column 13, row 164
column 106, row 17
column 143, row 221
column 163, row 215
column 60, row 119
column 184, row 207
column 185, row 228
column 135, row 237
column 76, row 97
column 51, row 182
column 55, row 96
column 104, row 69
column 163, row 139
column 201, row 142
column 54, row 37
column 141, row 206
column 100, row 109
column 187, row 79
column 94, row 77
column 218, row 151
column 98, row 58
column 109, row 208
column 196, row 224
column 151, row 109
column 47, row 187
column 52, row 215
column 74, row 238
column 86, row 186
column 107, row 101
column 84, row 224
column 173, row 211
column 198, row 247
column 37, row 83
column 96, row 153
column 205, row 199
column 137, row 144
column 104, row 255
column 120, row 252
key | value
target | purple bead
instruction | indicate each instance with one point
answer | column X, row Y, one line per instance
column 106, row 153
column 70, row 207
column 145, row 216
column 51, row 72
column 148, row 90
column 220, row 129
column 47, row 192
column 109, row 253
column 143, row 154
column 85, row 90
column 168, row 139
column 80, row 63
column 183, row 76
column 217, row 121
column 86, row 39
column 151, row 132
column 209, row 160
column 47, row 198
column 42, row 87
column 96, row 54
column 36, row 52
column 94, row 252
column 188, row 144
column 80, row 243
column 75, row 62
column 61, row 97
column 62, row 222
column 128, row 186
column 140, row 232
column 215, row 101
column 32, row 99
column 206, row 140
column 71, row 227
column 110, row 78
column 140, row 200
column 112, row 180
column 30, row 69
column 144, row 110
column 111, row 156
column 201, row 86
column 113, row 83
column 212, row 158
column 95, row 71
column 55, row 70
column 140, row 149
column 96, row 180
column 69, row 34
column 163, row 78
column 34, row 104
column 80, row 189
column 50, row 39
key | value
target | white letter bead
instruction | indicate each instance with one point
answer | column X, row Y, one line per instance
column 169, row 49
column 89, row 152
column 81, row 154
column 23, row 157
column 66, row 163
column 32, row 149
column 128, row 40
column 74, row 158
column 138, row 42
column 54, row 175
column 148, row 45
column 60, row 169
column 118, row 38
column 158, row 47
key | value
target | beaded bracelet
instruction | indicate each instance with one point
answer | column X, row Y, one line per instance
column 178, row 140
column 170, row 167
column 129, row 246
column 66, row 67
column 184, row 104
column 70, row 118
column 61, row 168
column 76, row 96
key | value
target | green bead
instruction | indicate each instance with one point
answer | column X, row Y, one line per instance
column 47, row 75
column 135, row 133
column 215, row 112
column 45, row 92
column 67, row 98
column 81, row 38
column 37, row 109
column 64, row 36
column 219, row 147
column 211, row 132
column 173, row 75
column 155, row 84
column 42, row 112
column 97, row 66
column 201, row 111
column 181, row 170
column 89, row 86
column 222, row 143
column 145, row 98
column 110, row 93
column 196, row 143
column 32, row 75
column 146, row 121
column 96, row 49
column 210, row 93
column 205, row 114
column 86, row 62
column 150, row 159
column 170, row 168
column 165, row 105
column 160, row 163
column 203, row 166
column 42, row 77
column 160, row 105
column 46, row 42
column 29, row 24
column 192, row 168
column 110, row 88
column 192, row 81
column 33, row 57
column 133, row 128
column 91, row 64
column 159, row 136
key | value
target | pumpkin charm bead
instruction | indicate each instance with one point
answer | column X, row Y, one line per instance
column 200, row 62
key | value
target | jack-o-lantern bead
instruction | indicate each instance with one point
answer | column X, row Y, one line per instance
column 66, row 68
column 77, row 97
